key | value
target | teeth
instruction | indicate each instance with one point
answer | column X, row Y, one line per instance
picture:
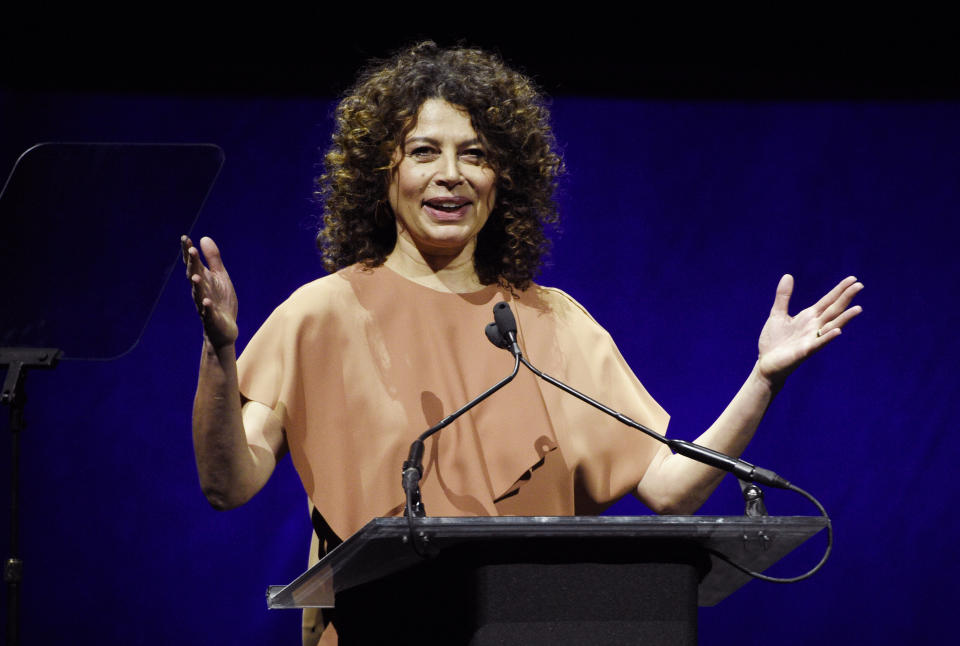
column 446, row 205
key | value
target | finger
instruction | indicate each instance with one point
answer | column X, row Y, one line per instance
column 841, row 320
column 831, row 296
column 212, row 253
column 193, row 260
column 186, row 244
column 824, row 336
column 842, row 303
column 196, row 289
column 784, row 289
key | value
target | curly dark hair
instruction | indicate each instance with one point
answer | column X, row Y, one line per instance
column 512, row 122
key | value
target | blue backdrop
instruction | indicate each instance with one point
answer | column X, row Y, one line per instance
column 678, row 220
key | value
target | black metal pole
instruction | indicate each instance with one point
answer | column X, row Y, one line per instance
column 13, row 567
column 19, row 361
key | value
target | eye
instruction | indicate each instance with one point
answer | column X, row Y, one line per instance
column 473, row 155
column 422, row 153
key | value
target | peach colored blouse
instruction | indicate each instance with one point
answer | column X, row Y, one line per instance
column 359, row 363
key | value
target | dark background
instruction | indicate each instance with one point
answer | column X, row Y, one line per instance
column 699, row 170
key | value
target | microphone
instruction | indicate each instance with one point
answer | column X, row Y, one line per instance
column 412, row 469
column 506, row 337
column 410, row 480
column 507, row 326
column 493, row 333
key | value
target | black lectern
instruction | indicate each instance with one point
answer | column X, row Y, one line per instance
column 537, row 580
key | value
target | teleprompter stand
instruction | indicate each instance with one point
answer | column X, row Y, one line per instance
column 537, row 580
column 88, row 239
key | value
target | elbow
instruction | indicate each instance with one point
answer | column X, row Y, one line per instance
column 676, row 508
column 219, row 502
column 222, row 486
column 670, row 489
column 670, row 503
column 220, row 498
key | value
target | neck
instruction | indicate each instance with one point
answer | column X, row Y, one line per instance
column 443, row 272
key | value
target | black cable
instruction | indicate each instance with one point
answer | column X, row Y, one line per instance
column 793, row 579
column 722, row 462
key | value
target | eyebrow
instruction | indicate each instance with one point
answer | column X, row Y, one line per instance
column 436, row 142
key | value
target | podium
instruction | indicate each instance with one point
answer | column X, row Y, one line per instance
column 538, row 580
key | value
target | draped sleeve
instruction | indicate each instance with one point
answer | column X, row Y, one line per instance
column 607, row 459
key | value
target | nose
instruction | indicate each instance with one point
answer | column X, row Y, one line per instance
column 448, row 174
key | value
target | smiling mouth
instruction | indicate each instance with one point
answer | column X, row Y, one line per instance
column 447, row 209
column 447, row 206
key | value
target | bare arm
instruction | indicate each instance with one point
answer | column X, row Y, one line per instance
column 674, row 484
column 237, row 444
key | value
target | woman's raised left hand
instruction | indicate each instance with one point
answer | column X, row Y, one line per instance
column 786, row 341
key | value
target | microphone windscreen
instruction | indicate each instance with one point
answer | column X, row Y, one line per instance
column 493, row 333
column 503, row 316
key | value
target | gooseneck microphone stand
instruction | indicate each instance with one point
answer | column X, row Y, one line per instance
column 413, row 465
column 503, row 333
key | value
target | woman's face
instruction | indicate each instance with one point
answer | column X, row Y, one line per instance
column 442, row 190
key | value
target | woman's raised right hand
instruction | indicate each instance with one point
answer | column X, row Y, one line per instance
column 213, row 292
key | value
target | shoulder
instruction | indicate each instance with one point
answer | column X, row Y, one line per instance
column 328, row 294
column 324, row 288
column 311, row 306
column 560, row 307
column 565, row 304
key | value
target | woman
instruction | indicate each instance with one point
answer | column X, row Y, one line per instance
column 436, row 192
